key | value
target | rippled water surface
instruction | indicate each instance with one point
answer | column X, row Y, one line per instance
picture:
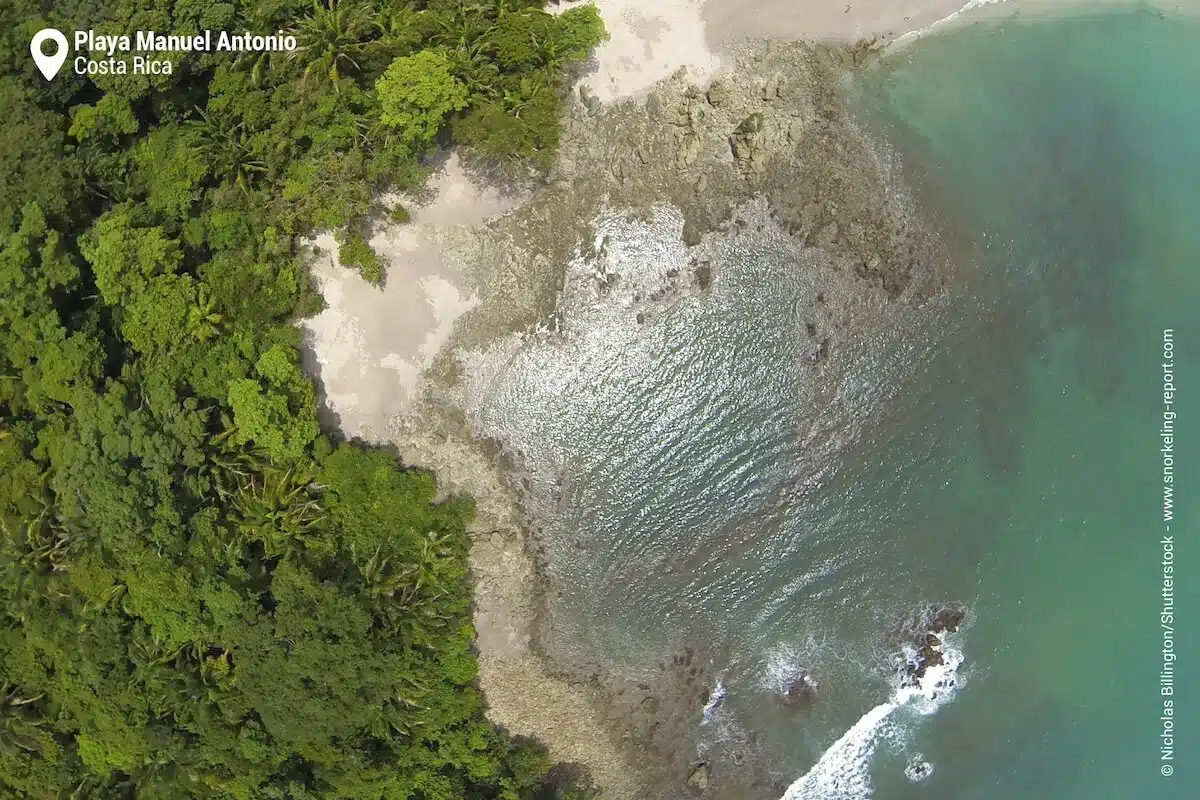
column 698, row 478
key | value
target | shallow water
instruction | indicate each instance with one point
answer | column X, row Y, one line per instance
column 695, row 481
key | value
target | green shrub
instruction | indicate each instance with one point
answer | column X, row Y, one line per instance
column 356, row 253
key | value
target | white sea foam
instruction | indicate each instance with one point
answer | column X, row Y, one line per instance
column 971, row 5
column 918, row 768
column 843, row 771
column 714, row 700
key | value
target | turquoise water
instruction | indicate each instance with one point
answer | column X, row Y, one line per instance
column 697, row 487
column 1071, row 150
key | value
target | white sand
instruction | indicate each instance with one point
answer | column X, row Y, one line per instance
column 370, row 346
column 649, row 41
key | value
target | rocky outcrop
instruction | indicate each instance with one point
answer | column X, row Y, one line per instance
column 947, row 620
column 747, row 146
column 591, row 102
column 776, row 125
column 523, row 695
column 926, row 642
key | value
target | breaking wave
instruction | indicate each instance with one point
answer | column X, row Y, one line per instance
column 843, row 771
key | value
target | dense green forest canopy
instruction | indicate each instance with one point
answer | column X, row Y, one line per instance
column 201, row 593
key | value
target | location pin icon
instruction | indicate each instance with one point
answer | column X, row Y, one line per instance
column 49, row 65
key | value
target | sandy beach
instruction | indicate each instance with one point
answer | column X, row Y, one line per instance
column 649, row 42
column 369, row 348
column 370, row 345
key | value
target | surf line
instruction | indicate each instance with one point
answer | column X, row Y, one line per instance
column 843, row 771
column 971, row 5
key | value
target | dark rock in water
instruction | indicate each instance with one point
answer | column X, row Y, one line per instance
column 704, row 276
column 750, row 125
column 929, row 655
column 927, row 641
column 918, row 770
column 699, row 777
column 947, row 620
column 820, row 352
column 801, row 693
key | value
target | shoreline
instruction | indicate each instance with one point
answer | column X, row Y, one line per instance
column 521, row 694
column 649, row 45
column 994, row 12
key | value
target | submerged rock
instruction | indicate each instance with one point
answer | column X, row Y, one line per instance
column 801, row 693
column 918, row 769
column 699, row 777
column 947, row 620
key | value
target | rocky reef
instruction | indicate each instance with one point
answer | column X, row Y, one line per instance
column 925, row 641
column 772, row 130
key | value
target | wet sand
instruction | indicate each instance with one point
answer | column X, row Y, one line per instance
column 846, row 20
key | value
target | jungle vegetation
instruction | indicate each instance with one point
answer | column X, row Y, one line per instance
column 202, row 593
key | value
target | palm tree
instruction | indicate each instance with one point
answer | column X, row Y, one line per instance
column 526, row 92
column 551, row 52
column 19, row 720
column 204, row 323
column 399, row 30
column 331, row 39
column 227, row 466
column 257, row 63
column 476, row 68
column 278, row 509
column 464, row 30
column 153, row 669
column 226, row 145
column 99, row 173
